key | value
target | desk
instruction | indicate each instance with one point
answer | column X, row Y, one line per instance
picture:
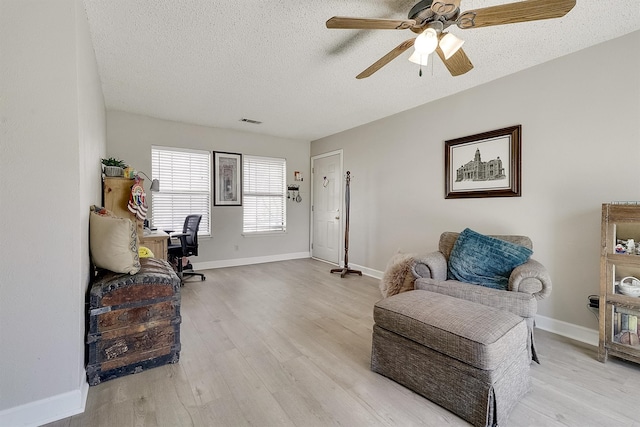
column 157, row 242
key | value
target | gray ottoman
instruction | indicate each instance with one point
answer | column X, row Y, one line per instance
column 466, row 357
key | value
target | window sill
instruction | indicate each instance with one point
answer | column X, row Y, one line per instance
column 265, row 234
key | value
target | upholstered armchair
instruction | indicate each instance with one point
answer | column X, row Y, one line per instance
column 527, row 283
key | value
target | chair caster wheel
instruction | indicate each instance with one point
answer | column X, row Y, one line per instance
column 203, row 279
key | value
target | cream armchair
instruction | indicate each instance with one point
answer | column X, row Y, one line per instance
column 528, row 282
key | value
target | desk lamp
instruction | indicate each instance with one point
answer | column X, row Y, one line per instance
column 155, row 184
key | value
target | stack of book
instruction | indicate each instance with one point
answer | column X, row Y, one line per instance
column 626, row 321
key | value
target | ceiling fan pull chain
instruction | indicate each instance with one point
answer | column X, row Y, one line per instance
column 431, row 63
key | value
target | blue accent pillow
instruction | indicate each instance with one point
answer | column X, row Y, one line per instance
column 484, row 260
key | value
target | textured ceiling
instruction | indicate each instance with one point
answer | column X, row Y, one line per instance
column 213, row 62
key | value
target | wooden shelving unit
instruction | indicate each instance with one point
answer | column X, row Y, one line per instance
column 619, row 313
column 115, row 193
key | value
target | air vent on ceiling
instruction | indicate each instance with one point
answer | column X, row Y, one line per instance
column 253, row 122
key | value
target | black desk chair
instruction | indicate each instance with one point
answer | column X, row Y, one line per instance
column 188, row 245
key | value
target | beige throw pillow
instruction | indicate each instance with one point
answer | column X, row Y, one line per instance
column 397, row 277
column 114, row 243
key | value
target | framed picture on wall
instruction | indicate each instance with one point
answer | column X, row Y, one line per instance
column 484, row 165
column 227, row 179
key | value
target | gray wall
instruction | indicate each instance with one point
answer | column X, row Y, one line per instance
column 53, row 135
column 131, row 136
column 580, row 148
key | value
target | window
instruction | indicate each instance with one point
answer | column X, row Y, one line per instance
column 264, row 201
column 185, row 187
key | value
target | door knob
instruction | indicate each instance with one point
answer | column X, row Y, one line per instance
column 337, row 217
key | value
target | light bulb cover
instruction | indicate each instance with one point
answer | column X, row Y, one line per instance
column 426, row 42
column 419, row 58
column 449, row 44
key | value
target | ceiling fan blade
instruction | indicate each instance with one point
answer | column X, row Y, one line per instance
column 523, row 11
column 343, row 22
column 445, row 7
column 386, row 59
column 457, row 64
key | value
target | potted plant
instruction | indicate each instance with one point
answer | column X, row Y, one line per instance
column 113, row 166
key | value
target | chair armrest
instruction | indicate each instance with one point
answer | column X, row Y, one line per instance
column 181, row 237
column 431, row 266
column 532, row 278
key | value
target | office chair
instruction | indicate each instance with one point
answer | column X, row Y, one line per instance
column 188, row 245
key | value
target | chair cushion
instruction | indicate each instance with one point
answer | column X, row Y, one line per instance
column 113, row 243
column 484, row 260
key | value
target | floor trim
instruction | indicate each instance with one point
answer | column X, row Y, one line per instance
column 248, row 261
column 47, row 410
column 569, row 330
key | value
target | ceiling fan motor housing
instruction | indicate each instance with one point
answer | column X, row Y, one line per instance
column 422, row 6
column 425, row 16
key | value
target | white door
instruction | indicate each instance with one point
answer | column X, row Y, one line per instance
column 326, row 214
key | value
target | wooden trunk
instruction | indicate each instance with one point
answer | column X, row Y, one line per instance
column 133, row 322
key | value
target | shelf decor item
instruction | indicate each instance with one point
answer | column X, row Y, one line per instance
column 630, row 286
column 113, row 166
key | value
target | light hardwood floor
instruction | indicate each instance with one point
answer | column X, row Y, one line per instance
column 288, row 344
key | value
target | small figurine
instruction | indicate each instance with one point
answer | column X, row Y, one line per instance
column 620, row 249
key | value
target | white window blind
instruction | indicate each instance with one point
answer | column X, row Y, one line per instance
column 264, row 194
column 185, row 187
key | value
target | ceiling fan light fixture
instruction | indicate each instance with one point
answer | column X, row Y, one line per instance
column 419, row 58
column 450, row 44
column 426, row 42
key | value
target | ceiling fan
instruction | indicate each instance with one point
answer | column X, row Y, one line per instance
column 429, row 19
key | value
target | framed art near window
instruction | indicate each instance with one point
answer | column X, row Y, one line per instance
column 484, row 165
column 227, row 175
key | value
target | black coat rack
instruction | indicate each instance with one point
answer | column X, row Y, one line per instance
column 347, row 198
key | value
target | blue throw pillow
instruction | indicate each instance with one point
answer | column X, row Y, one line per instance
column 484, row 260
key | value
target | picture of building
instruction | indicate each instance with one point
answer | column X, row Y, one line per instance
column 477, row 170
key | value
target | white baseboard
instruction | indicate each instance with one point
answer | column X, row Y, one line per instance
column 248, row 261
column 376, row 274
column 569, row 330
column 47, row 410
